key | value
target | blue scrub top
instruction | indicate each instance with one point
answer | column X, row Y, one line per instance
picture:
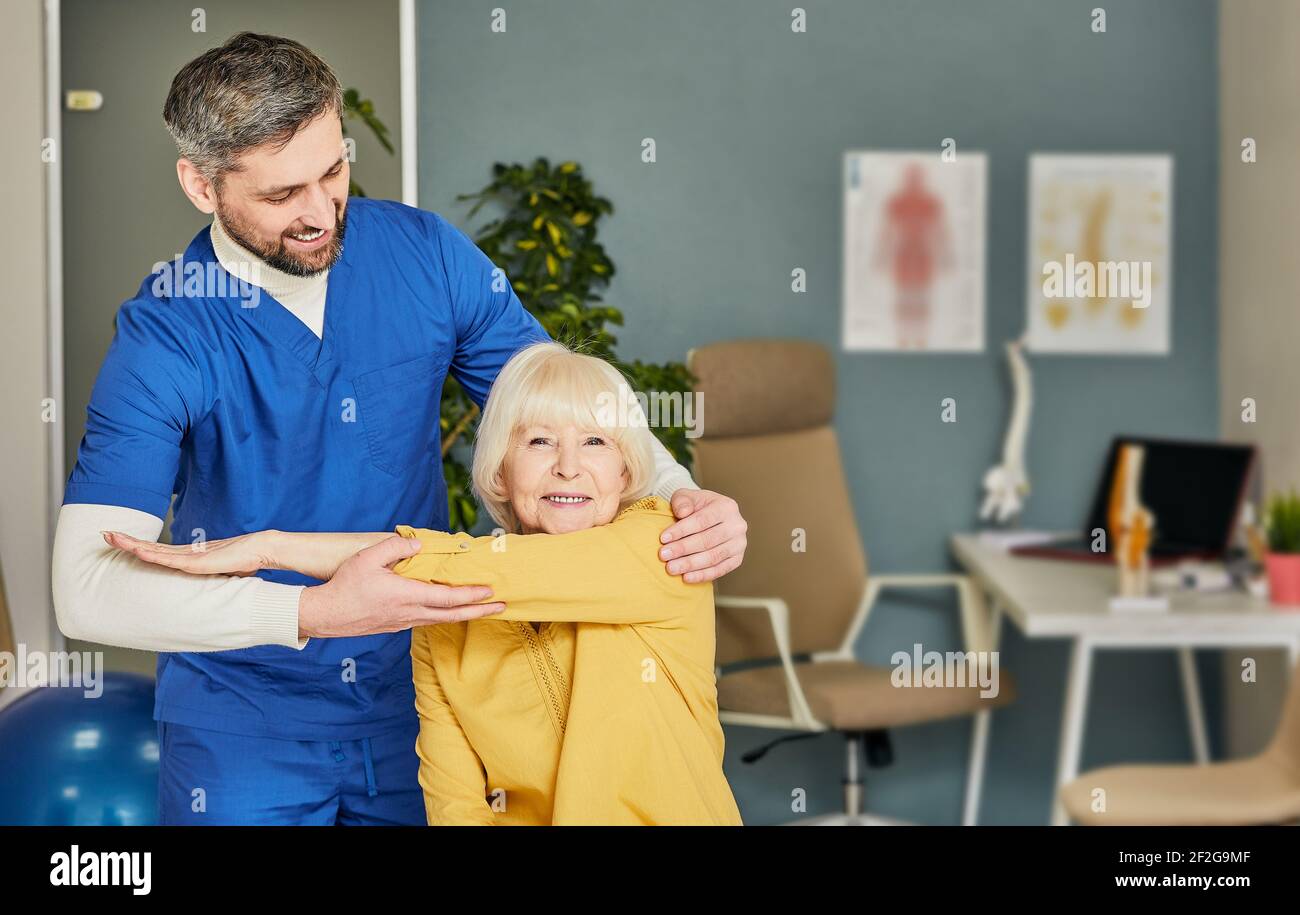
column 255, row 423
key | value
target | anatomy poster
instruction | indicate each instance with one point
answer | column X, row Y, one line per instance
column 914, row 251
column 1100, row 233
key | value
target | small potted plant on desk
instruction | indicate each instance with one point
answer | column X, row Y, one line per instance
column 1283, row 558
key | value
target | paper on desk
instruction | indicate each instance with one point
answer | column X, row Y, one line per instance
column 1010, row 539
column 1154, row 603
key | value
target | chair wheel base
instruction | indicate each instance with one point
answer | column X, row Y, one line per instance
column 846, row 819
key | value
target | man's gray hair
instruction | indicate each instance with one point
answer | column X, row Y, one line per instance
column 254, row 89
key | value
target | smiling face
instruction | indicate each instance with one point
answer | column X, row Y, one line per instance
column 563, row 478
column 287, row 205
column 550, row 455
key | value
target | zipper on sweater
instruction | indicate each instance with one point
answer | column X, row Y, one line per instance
column 544, row 662
column 544, row 640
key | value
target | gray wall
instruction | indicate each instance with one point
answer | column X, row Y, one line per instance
column 751, row 122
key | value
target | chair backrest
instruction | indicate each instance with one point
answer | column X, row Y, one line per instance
column 766, row 440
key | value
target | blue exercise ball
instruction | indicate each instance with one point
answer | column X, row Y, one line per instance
column 68, row 759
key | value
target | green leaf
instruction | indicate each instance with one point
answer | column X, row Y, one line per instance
column 357, row 108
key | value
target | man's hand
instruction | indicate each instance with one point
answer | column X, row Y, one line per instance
column 708, row 540
column 365, row 596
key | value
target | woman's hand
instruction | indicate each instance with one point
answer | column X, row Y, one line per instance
column 242, row 555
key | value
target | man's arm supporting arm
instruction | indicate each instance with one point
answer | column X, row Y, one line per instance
column 107, row 596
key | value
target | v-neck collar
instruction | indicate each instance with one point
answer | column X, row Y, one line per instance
column 317, row 354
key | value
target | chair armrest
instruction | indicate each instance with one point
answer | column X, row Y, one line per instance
column 919, row 579
column 976, row 635
column 778, row 615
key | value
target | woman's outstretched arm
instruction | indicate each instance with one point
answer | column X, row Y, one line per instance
column 316, row 555
column 604, row 574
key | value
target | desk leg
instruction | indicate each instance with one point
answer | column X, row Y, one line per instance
column 1195, row 710
column 1072, row 722
column 979, row 751
column 979, row 748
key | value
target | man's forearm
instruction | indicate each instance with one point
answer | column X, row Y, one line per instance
column 106, row 596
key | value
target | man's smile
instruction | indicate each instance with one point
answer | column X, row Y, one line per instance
column 309, row 239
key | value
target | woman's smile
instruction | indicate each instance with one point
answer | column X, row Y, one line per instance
column 566, row 499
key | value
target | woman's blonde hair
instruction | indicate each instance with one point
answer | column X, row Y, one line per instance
column 547, row 384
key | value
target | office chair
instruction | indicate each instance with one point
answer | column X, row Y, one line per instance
column 787, row 620
column 1263, row 789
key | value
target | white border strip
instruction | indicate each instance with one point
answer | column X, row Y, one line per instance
column 406, row 38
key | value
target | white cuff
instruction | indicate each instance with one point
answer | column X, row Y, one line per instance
column 273, row 618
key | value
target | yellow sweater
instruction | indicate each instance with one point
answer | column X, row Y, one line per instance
column 606, row 713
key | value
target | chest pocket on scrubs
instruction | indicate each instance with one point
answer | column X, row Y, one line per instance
column 399, row 410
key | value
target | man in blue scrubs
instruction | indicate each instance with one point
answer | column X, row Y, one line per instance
column 314, row 408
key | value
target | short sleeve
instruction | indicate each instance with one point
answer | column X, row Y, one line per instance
column 148, row 390
column 491, row 323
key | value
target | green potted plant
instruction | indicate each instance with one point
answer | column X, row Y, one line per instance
column 1283, row 557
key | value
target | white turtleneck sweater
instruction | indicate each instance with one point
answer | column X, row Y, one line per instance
column 302, row 295
column 103, row 595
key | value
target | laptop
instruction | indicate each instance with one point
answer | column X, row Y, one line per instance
column 1194, row 489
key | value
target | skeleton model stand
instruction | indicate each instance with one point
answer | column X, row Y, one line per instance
column 1131, row 524
column 1007, row 484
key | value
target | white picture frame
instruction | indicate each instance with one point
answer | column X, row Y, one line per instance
column 1099, row 242
column 914, row 251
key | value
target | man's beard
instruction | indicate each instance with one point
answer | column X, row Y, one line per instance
column 278, row 255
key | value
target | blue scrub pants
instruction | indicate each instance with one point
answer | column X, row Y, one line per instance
column 208, row 778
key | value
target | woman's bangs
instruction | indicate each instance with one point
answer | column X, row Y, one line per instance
column 565, row 392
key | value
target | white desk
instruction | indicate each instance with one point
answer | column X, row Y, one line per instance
column 1053, row 598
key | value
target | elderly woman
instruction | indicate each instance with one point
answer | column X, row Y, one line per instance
column 592, row 698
